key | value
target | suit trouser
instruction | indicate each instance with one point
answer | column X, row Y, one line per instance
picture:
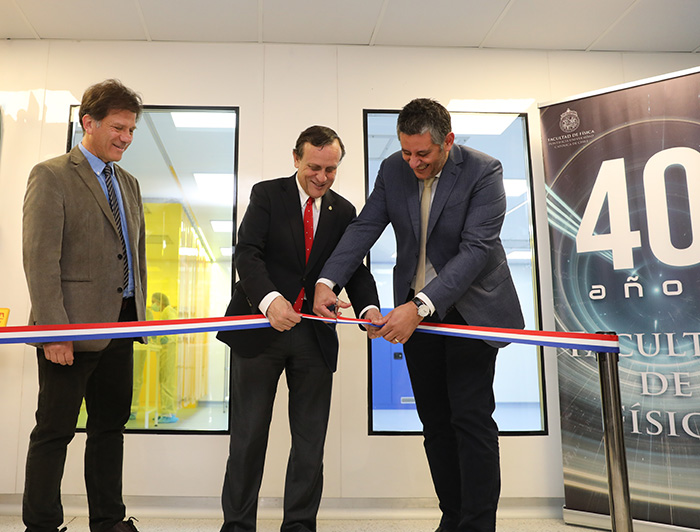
column 104, row 380
column 253, row 386
column 452, row 381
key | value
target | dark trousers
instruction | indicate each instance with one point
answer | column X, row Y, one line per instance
column 452, row 381
column 253, row 386
column 104, row 380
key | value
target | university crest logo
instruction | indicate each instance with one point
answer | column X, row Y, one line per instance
column 569, row 121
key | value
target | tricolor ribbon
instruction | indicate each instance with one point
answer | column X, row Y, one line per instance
column 607, row 343
column 604, row 343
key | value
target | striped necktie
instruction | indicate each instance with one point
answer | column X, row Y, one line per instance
column 114, row 205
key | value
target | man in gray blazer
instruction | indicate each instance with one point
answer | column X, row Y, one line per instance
column 85, row 262
column 453, row 270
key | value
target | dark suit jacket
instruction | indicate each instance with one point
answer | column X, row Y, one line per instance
column 71, row 247
column 270, row 256
column 463, row 237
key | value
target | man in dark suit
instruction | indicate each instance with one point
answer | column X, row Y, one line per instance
column 290, row 228
column 84, row 250
column 449, row 269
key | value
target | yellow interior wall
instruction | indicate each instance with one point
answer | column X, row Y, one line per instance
column 195, row 277
column 163, row 222
column 162, row 249
column 184, row 278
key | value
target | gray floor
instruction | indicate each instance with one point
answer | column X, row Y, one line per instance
column 79, row 524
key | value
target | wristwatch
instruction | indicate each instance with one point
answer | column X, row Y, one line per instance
column 423, row 309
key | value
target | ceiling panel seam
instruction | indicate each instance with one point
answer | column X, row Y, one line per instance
column 26, row 20
column 619, row 19
column 493, row 27
column 378, row 23
column 144, row 26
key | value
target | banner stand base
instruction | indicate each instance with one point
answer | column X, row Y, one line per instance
column 601, row 521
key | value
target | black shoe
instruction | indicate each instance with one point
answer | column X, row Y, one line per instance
column 125, row 526
column 442, row 529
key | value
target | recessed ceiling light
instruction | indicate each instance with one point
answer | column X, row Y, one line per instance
column 215, row 185
column 515, row 187
column 222, row 226
column 519, row 255
column 204, row 120
column 481, row 124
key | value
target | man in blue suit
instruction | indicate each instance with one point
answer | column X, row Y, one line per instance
column 450, row 269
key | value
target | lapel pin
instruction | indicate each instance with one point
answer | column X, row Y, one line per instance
column 330, row 207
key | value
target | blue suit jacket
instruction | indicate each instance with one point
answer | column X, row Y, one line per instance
column 463, row 246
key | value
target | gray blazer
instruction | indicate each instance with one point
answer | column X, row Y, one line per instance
column 71, row 247
column 463, row 246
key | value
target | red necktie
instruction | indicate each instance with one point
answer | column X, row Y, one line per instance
column 308, row 242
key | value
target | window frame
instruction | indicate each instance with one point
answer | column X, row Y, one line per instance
column 544, row 431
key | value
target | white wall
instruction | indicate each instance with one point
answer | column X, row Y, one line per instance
column 280, row 90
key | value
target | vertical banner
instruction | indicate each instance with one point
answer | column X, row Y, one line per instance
column 622, row 171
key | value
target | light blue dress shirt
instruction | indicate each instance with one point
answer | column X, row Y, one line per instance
column 98, row 166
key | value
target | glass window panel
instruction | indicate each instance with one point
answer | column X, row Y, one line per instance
column 519, row 385
column 185, row 160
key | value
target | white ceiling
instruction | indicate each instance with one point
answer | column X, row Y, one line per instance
column 586, row 25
